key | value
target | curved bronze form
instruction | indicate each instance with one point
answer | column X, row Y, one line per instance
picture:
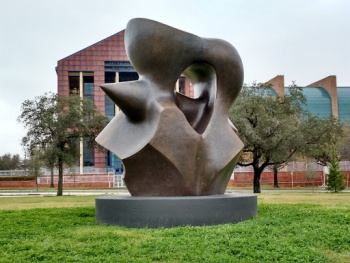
column 170, row 144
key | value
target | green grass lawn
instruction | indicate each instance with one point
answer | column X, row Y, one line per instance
column 312, row 228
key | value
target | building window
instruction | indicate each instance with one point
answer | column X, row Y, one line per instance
column 118, row 66
column 88, row 87
column 109, row 108
column 115, row 163
column 87, row 82
column 109, row 77
column 128, row 76
column 318, row 101
column 88, row 154
column 74, row 85
column 344, row 104
column 109, row 104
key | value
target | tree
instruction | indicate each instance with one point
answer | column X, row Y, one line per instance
column 276, row 128
column 321, row 134
column 310, row 173
column 10, row 162
column 35, row 164
column 49, row 160
column 335, row 179
column 344, row 145
column 56, row 124
column 275, row 168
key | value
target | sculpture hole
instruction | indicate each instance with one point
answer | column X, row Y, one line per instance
column 195, row 95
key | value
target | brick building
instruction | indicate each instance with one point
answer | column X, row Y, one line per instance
column 324, row 97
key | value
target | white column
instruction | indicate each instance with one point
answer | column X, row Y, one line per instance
column 116, row 108
column 81, row 142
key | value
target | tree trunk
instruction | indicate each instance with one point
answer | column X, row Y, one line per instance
column 256, row 183
column 275, row 177
column 60, row 177
column 257, row 172
column 36, row 183
column 51, row 183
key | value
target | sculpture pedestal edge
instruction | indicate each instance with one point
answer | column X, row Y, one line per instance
column 157, row 212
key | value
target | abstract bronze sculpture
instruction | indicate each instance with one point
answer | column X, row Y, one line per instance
column 170, row 144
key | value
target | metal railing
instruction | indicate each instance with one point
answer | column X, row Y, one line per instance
column 296, row 167
column 66, row 171
column 107, row 175
column 113, row 180
column 293, row 166
column 76, row 170
column 13, row 172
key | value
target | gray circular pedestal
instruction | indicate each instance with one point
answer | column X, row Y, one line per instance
column 157, row 212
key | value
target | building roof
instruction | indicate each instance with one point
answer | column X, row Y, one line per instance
column 102, row 42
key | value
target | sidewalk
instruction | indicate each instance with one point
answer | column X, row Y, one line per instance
column 53, row 192
column 124, row 191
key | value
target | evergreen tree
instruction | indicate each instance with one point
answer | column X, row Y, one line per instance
column 335, row 178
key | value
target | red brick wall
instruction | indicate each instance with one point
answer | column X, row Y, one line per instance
column 242, row 179
column 18, row 184
column 92, row 59
column 285, row 179
column 32, row 184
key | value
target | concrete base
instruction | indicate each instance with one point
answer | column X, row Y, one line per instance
column 157, row 212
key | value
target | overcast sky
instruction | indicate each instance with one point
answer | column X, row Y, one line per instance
column 303, row 40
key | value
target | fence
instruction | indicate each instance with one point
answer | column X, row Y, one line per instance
column 13, row 173
column 66, row 171
column 93, row 180
column 76, row 170
column 291, row 175
column 91, row 177
column 296, row 167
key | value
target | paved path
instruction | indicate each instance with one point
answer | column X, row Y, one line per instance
column 123, row 191
column 7, row 193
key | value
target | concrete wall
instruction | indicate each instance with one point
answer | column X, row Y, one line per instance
column 277, row 84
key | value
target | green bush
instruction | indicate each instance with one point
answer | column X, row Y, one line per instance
column 17, row 178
